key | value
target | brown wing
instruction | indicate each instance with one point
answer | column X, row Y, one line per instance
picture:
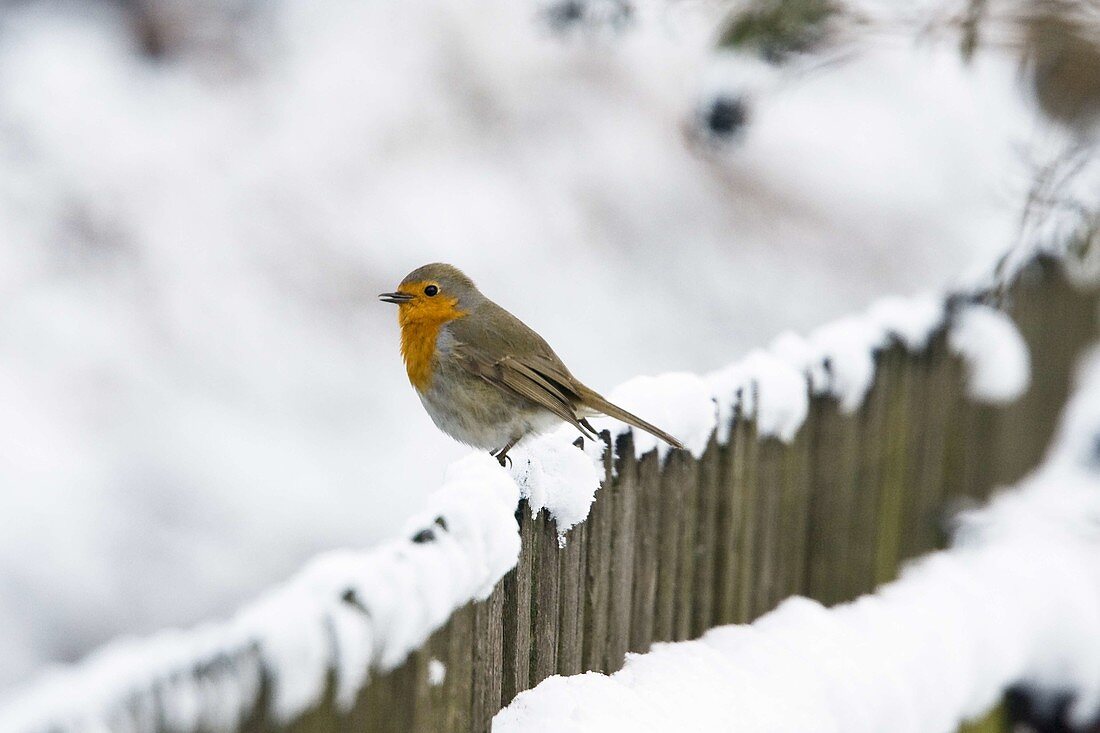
column 520, row 376
column 514, row 358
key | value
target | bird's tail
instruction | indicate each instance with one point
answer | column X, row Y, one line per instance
column 596, row 402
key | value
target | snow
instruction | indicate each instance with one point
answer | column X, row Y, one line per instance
column 998, row 365
column 553, row 474
column 1015, row 599
column 356, row 611
column 764, row 387
column 678, row 403
column 351, row 612
column 200, row 391
column 437, row 672
column 846, row 349
column 781, row 395
column 912, row 320
column 838, row 359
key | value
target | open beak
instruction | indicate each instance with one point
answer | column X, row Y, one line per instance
column 395, row 297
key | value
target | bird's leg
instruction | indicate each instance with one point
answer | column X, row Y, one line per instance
column 502, row 454
column 604, row 437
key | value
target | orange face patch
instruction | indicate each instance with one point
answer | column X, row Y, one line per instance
column 421, row 319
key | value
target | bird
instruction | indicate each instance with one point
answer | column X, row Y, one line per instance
column 486, row 378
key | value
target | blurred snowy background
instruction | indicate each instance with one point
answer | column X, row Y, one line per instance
column 199, row 200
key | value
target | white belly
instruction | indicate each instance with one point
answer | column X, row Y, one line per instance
column 489, row 425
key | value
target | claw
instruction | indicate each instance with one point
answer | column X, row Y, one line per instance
column 502, row 454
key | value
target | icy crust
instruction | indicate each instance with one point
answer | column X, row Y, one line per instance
column 351, row 612
column 1016, row 599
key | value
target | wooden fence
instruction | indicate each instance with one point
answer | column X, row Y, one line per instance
column 671, row 550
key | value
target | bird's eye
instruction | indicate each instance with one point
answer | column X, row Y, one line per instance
column 431, row 291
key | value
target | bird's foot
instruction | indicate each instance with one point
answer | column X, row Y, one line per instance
column 503, row 458
column 502, row 454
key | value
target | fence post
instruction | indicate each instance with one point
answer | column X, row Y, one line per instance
column 625, row 498
column 517, row 613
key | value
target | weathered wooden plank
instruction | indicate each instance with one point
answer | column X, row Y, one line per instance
column 956, row 432
column 432, row 713
column 597, row 573
column 935, row 397
column 571, row 608
column 684, row 592
column 728, row 532
column 545, row 598
column 924, row 460
column 746, row 490
column 978, row 437
column 624, row 543
column 459, row 683
column 870, row 450
column 768, row 500
column 794, row 516
column 673, row 496
column 384, row 708
column 643, row 599
column 705, row 580
column 686, row 553
column 417, row 688
column 898, row 423
column 517, row 613
column 488, row 658
column 834, row 444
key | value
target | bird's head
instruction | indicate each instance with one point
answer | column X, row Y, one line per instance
column 434, row 293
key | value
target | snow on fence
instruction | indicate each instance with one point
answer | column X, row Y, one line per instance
column 1015, row 602
column 816, row 467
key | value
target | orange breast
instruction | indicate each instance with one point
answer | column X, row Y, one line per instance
column 420, row 321
column 418, row 351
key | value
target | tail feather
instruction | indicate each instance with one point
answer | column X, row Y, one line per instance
column 595, row 401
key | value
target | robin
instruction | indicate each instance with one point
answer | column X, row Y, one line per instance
column 483, row 375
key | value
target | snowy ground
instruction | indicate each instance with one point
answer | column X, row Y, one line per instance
column 200, row 391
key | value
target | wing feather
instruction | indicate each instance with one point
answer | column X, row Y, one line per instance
column 517, row 360
column 518, row 376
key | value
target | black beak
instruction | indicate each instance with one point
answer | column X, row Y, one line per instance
column 395, row 297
